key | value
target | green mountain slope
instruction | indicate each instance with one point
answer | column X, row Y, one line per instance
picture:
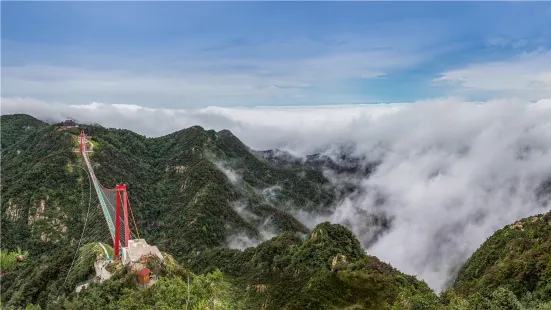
column 180, row 187
column 192, row 189
column 327, row 270
column 42, row 186
column 518, row 255
column 44, row 195
column 513, row 267
column 192, row 192
column 17, row 127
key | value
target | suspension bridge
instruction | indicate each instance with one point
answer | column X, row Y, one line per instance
column 111, row 201
column 112, row 207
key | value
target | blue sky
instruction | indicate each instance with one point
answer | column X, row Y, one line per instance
column 196, row 54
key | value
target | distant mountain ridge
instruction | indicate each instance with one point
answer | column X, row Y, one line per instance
column 343, row 163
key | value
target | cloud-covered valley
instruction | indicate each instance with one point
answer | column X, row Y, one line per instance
column 450, row 174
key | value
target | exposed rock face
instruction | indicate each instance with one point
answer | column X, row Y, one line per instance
column 13, row 212
column 39, row 214
column 44, row 237
column 260, row 288
column 517, row 224
column 338, row 263
column 180, row 169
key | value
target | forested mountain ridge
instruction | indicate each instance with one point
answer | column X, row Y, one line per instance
column 43, row 196
column 512, row 266
column 18, row 126
column 41, row 189
column 192, row 191
column 194, row 188
column 183, row 188
column 326, row 270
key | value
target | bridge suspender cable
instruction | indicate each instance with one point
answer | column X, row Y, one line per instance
column 133, row 220
column 121, row 200
column 83, row 229
column 97, row 186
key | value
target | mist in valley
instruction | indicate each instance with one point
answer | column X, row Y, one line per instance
column 449, row 173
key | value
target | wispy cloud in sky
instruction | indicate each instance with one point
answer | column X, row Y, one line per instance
column 191, row 54
column 216, row 82
column 527, row 76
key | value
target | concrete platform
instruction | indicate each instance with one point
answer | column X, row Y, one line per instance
column 138, row 248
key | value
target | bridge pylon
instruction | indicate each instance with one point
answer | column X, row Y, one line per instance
column 121, row 196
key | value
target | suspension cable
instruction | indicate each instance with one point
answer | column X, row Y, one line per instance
column 83, row 229
column 133, row 220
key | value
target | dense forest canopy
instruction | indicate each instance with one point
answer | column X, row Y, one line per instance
column 196, row 192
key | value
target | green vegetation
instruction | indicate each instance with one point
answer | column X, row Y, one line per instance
column 171, row 291
column 188, row 202
column 42, row 280
column 8, row 260
column 183, row 202
column 17, row 127
column 326, row 270
column 513, row 268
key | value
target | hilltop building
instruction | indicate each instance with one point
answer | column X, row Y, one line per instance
column 68, row 124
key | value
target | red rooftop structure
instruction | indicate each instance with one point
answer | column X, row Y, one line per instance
column 143, row 276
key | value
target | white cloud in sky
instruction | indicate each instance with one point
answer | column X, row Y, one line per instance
column 526, row 76
column 452, row 172
column 204, row 72
column 199, row 83
column 323, row 79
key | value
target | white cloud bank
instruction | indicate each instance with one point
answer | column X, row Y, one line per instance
column 452, row 172
column 527, row 76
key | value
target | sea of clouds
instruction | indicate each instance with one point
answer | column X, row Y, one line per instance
column 451, row 172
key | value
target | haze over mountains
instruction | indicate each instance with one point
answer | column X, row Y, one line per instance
column 423, row 185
